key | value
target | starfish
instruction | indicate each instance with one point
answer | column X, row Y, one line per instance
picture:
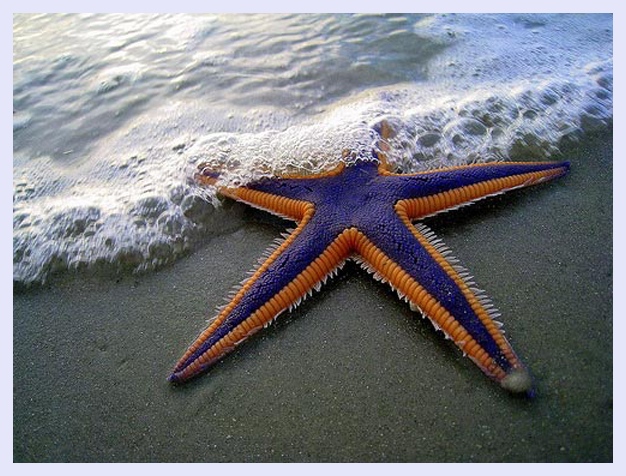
column 366, row 212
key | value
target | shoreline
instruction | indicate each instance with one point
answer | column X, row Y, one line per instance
column 351, row 374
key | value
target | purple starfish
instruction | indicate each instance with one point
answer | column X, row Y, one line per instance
column 367, row 213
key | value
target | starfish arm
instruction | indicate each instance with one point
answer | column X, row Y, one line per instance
column 417, row 267
column 286, row 196
column 279, row 205
column 429, row 193
column 291, row 272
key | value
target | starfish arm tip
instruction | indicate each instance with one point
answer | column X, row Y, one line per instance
column 518, row 380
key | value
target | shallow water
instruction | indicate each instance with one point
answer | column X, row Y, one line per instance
column 112, row 113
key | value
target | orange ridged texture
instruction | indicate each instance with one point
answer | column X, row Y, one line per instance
column 322, row 266
column 417, row 208
column 405, row 284
column 304, row 212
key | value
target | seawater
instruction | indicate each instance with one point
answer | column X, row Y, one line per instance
column 113, row 113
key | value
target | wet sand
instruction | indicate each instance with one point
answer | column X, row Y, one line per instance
column 350, row 375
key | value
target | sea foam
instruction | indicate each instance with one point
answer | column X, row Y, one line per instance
column 119, row 194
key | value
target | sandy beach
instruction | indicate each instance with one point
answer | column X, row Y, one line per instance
column 352, row 375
